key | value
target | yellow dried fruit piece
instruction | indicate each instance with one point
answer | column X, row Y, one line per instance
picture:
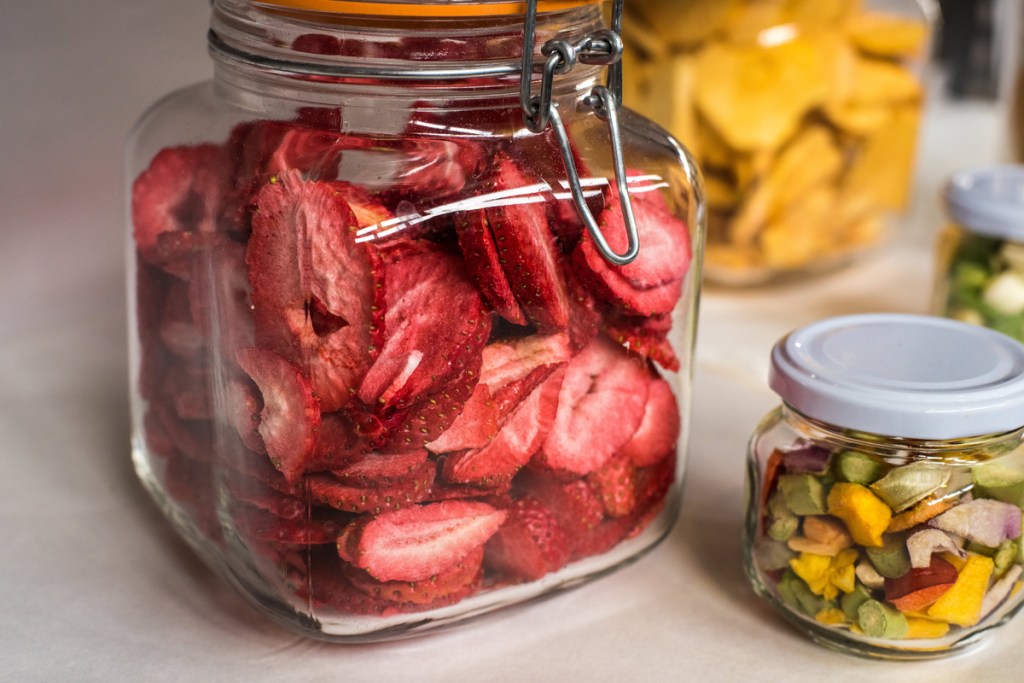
column 640, row 36
column 926, row 628
column 755, row 96
column 747, row 20
column 887, row 35
column 718, row 191
column 865, row 515
column 882, row 166
column 830, row 616
column 801, row 233
column 875, row 82
column 682, row 23
column 669, row 98
column 961, row 604
column 826, row 576
column 811, row 160
column 822, row 536
column 818, row 13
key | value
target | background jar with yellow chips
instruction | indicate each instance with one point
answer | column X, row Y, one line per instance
column 803, row 115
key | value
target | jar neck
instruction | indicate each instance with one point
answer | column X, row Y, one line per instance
column 417, row 55
column 970, row 449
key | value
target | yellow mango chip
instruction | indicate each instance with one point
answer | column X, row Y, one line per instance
column 801, row 233
column 683, row 23
column 755, row 96
column 818, row 13
column 961, row 604
column 874, row 82
column 882, row 166
column 748, row 19
column 812, row 159
column 887, row 35
column 926, row 628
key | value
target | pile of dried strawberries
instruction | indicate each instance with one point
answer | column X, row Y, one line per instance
column 399, row 407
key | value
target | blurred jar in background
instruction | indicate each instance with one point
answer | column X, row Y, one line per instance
column 803, row 115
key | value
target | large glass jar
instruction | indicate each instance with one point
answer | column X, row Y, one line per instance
column 980, row 261
column 803, row 115
column 884, row 495
column 385, row 376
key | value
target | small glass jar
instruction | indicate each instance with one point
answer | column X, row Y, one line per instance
column 884, row 495
column 385, row 374
column 802, row 114
column 980, row 272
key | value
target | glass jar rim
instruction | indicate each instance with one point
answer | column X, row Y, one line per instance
column 422, row 8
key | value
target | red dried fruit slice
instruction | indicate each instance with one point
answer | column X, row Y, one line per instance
column 645, row 336
column 432, row 169
column 150, row 290
column 259, row 495
column 601, row 538
column 615, row 484
column 219, row 287
column 290, row 417
column 247, row 465
column 529, row 544
column 382, row 470
column 483, row 262
column 187, row 388
column 651, row 284
column 178, row 332
column 243, row 413
column 600, row 406
column 416, row 543
column 177, row 252
column 584, row 316
column 427, row 420
column 257, row 525
column 658, row 432
column 919, row 588
column 575, row 505
column 527, row 250
column 475, row 426
column 338, row 445
column 450, row 583
column 368, row 210
column 519, row 438
column 426, row 345
column 507, row 362
column 183, row 190
column 192, row 438
column 317, row 294
column 652, row 486
column 376, row 497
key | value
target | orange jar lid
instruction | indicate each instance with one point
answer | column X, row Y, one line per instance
column 425, row 8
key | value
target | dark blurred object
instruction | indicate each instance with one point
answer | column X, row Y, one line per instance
column 969, row 48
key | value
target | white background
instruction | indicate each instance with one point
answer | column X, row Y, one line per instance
column 94, row 586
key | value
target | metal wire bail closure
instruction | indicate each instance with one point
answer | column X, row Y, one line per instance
column 600, row 47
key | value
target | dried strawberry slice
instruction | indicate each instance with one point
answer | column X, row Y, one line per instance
column 192, row 438
column 475, row 426
column 647, row 336
column 183, row 190
column 219, row 286
column 259, row 495
column 348, row 494
column 529, row 544
column 615, row 484
column 178, row 332
column 150, row 292
column 317, row 294
column 433, row 168
column 652, row 283
column 483, row 262
column 368, row 209
column 510, row 361
column 600, row 406
column 575, row 505
column 243, row 413
column 187, row 388
column 528, row 253
column 291, row 415
column 521, row 435
column 426, row 345
column 658, row 432
column 426, row 420
column 416, row 543
column 381, row 470
column 258, row 525
column 652, row 486
column 452, row 582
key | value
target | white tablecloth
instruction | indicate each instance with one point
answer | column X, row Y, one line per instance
column 96, row 587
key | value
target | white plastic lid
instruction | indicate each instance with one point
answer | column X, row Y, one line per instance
column 989, row 200
column 910, row 376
